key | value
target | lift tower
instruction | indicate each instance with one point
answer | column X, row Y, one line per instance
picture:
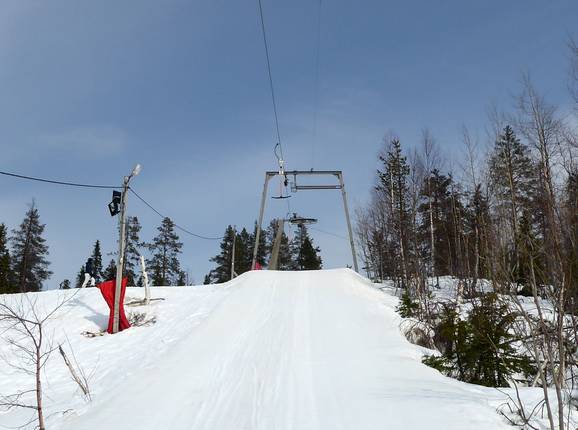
column 340, row 185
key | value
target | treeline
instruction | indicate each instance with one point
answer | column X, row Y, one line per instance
column 162, row 262
column 504, row 224
column 511, row 218
column 24, row 266
column 299, row 253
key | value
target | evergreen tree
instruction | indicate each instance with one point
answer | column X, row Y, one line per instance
column 222, row 273
column 109, row 273
column 284, row 261
column 243, row 252
column 261, row 250
column 182, row 279
column 513, row 183
column 476, row 220
column 132, row 250
column 6, row 281
column 571, row 236
column 436, row 194
column 97, row 262
column 305, row 255
column 165, row 248
column 207, row 279
column 393, row 185
column 479, row 349
column 29, row 251
column 80, row 277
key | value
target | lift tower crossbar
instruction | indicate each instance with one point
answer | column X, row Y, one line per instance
column 295, row 187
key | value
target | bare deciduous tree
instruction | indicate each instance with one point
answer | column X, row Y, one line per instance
column 23, row 328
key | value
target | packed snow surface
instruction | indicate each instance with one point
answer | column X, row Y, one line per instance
column 269, row 350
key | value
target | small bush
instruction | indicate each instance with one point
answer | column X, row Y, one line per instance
column 479, row 349
column 407, row 307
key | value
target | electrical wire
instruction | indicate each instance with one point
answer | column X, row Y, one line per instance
column 76, row 184
column 316, row 107
column 270, row 78
column 50, row 181
column 198, row 236
column 329, row 233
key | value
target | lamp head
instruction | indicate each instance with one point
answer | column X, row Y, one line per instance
column 136, row 170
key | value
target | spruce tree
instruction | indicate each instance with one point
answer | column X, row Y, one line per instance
column 132, row 250
column 305, row 255
column 97, row 262
column 6, row 282
column 243, row 254
column 479, row 349
column 165, row 248
column 80, row 277
column 571, row 236
column 29, row 251
column 513, row 183
column 109, row 273
column 182, row 279
column 394, row 187
column 261, row 250
column 284, row 260
column 477, row 221
column 436, row 193
column 222, row 273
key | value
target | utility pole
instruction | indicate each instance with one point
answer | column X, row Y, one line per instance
column 121, row 247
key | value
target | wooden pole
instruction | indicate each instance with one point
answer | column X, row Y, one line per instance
column 120, row 260
column 145, row 278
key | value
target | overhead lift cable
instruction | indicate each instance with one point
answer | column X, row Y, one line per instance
column 316, row 93
column 184, row 230
column 270, row 78
column 280, row 159
column 329, row 233
column 50, row 181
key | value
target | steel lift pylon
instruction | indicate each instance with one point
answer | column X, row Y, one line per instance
column 296, row 187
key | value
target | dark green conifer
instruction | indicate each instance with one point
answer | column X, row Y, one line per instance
column 6, row 281
column 305, row 255
column 29, row 251
column 165, row 249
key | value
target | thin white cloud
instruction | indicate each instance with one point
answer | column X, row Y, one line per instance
column 86, row 142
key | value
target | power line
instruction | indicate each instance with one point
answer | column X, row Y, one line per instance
column 270, row 78
column 50, row 181
column 76, row 184
column 176, row 225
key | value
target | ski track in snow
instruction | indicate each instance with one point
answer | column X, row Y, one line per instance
column 269, row 350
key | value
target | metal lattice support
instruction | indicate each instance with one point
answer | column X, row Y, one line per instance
column 295, row 187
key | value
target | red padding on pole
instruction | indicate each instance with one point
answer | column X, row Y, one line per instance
column 107, row 289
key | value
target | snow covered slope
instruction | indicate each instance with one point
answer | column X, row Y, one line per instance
column 269, row 350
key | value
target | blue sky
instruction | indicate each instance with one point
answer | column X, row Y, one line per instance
column 91, row 88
